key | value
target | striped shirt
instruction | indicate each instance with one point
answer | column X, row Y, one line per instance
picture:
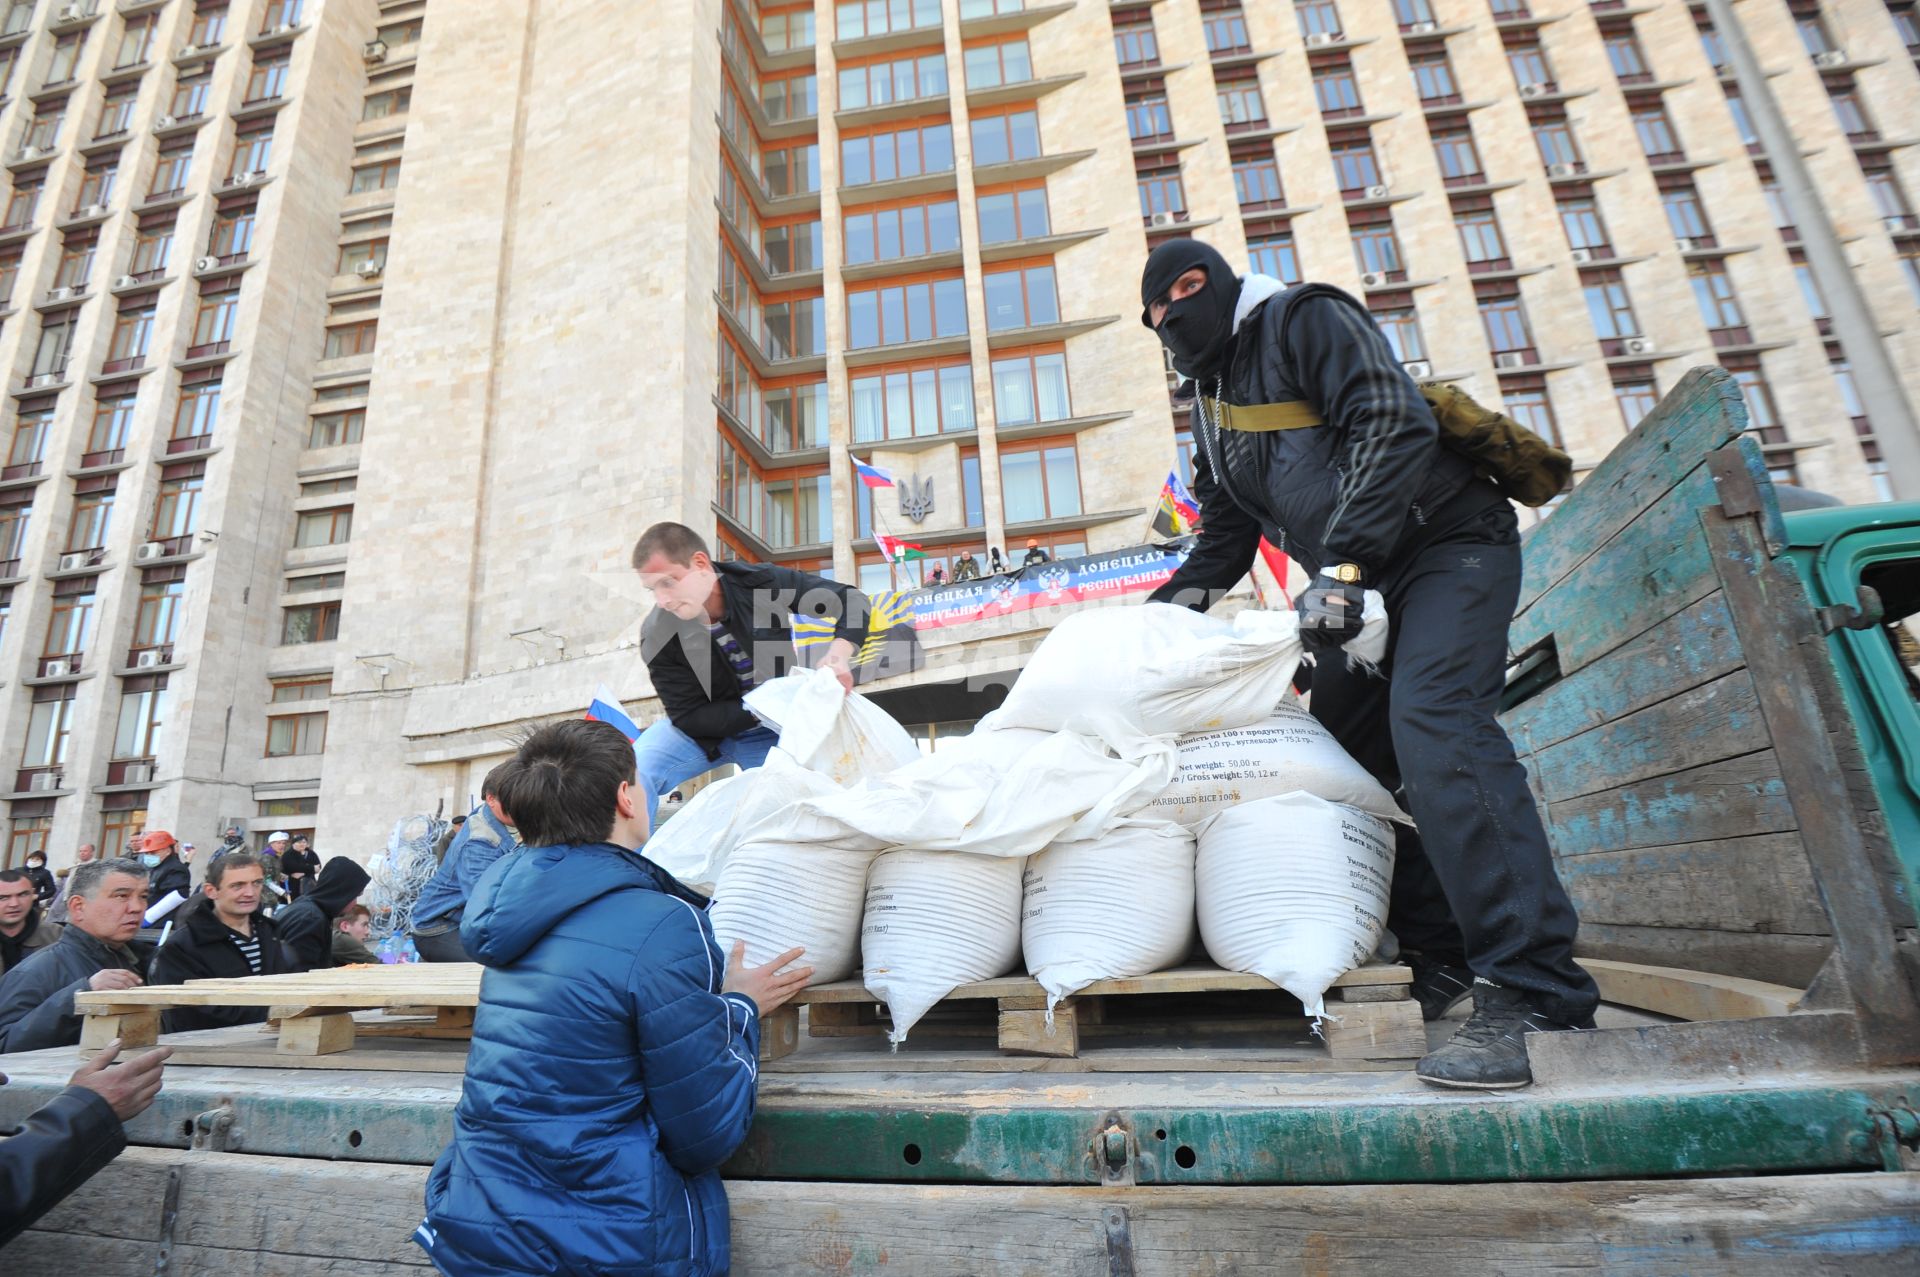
column 249, row 947
column 736, row 655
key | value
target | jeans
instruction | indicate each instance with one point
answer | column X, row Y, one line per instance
column 666, row 756
column 441, row 946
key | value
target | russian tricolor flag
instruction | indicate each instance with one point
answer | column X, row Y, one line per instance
column 872, row 476
column 606, row 709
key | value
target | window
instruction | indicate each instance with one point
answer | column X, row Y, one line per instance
column 1039, row 482
column 1713, row 294
column 989, row 65
column 1636, row 397
column 213, row 326
column 998, row 139
column 334, row 428
column 1400, row 325
column 1530, row 67
column 43, row 131
column 252, row 152
column 9, row 276
column 1336, row 91
column 152, row 251
column 1030, row 388
column 13, row 533
column 156, row 621
column 1409, row 13
column 1433, row 78
column 190, row 96
column 70, row 625
column 1355, row 167
column 1318, row 17
column 889, row 234
column 1625, row 56
column 48, row 729
column 1714, row 48
column 323, row 527
column 861, row 18
column 918, row 400
column 1240, row 103
column 23, row 203
column 1889, row 198
column 1813, row 33
column 1148, row 116
column 351, row 339
column 1256, row 182
column 401, row 33
column 975, row 506
column 909, row 152
column 1010, row 215
column 1480, row 238
column 171, row 172
column 1686, row 218
column 56, row 339
column 136, row 42
column 1655, row 132
column 791, row 97
column 1225, row 28
column 1505, row 321
column 1609, row 306
column 112, row 419
column 1742, row 122
column 923, row 311
column 387, row 104
column 1532, row 409
column 291, row 734
column 76, row 261
column 315, row 583
column 1162, row 194
column 1274, row 255
column 1809, row 287
column 352, row 256
column 96, row 186
column 1763, row 415
column 19, row 18
column 794, row 417
column 1459, row 157
column 1376, row 250
column 197, row 413
column 1021, row 298
column 177, row 513
column 901, row 80
column 1910, row 268
column 29, row 441
column 209, row 26
column 66, row 55
column 87, row 529
column 116, row 113
column 1554, row 138
column 796, row 329
column 311, row 623
column 382, row 176
column 787, row 31
column 9, row 63
column 268, row 79
column 143, row 709
column 1580, row 218
column 1134, row 44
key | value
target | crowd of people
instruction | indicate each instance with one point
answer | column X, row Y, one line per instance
column 967, row 567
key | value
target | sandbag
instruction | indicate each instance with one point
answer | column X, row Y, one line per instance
column 936, row 920
column 1120, row 905
column 828, row 729
column 695, row 844
column 1157, row 669
column 776, row 894
column 1287, row 752
column 1293, row 888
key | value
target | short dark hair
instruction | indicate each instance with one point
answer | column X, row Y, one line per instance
column 564, row 780
column 490, row 787
column 677, row 542
column 217, row 870
column 85, row 879
column 14, row 875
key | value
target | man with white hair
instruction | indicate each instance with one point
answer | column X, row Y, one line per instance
column 106, row 902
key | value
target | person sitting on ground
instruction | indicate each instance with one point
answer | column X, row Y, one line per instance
column 350, row 933
column 105, row 905
column 45, row 886
column 166, row 872
column 58, row 909
column 1036, row 556
column 306, row 925
column 24, row 925
column 221, row 934
column 615, row 1051
column 719, row 630
column 66, row 1141
column 484, row 838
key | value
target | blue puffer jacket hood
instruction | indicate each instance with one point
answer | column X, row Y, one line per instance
column 607, row 1081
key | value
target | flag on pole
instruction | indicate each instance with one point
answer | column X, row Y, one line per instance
column 605, row 708
column 1178, row 511
column 896, row 550
column 872, row 476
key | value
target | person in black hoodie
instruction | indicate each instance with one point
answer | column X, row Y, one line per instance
column 306, row 925
column 45, row 885
column 1371, row 498
column 221, row 934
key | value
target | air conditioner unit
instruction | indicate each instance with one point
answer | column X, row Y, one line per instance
column 60, row 294
column 1419, row 369
column 281, row 28
column 1563, row 170
column 237, row 180
column 1638, row 346
column 205, row 264
column 376, row 51
column 57, row 669
column 1422, row 28
column 1379, row 192
column 1163, row 219
column 146, row 660
column 165, row 122
column 150, row 551
column 1535, row 90
column 91, row 211
column 126, row 281
column 72, row 12
column 137, row 774
column 40, row 379
column 1510, row 359
column 26, row 153
column 1581, row 256
column 1373, row 279
column 189, row 50
column 369, row 269
column 1831, row 58
column 1685, row 244
column 1320, row 39
column 43, row 782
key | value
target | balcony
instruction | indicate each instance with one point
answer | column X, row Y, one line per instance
column 58, row 667
column 38, row 782
column 79, row 563
column 129, row 773
column 141, row 659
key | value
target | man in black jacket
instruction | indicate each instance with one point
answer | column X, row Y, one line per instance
column 306, row 925
column 67, row 1140
column 719, row 631
column 24, row 926
column 221, row 935
column 106, row 899
column 166, row 872
column 1372, row 499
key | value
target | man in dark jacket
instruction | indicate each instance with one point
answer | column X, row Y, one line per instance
column 24, row 926
column 105, row 904
column 67, row 1140
column 615, row 1051
column 306, row 925
column 483, row 839
column 166, row 872
column 719, row 631
column 221, row 935
column 1373, row 500
column 301, row 853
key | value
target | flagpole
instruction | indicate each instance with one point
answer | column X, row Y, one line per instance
column 879, row 521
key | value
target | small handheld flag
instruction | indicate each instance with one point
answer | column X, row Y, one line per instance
column 872, row 476
column 605, row 708
column 1178, row 512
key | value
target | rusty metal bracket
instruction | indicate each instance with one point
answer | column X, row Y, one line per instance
column 1119, row 1241
column 169, row 1215
column 1115, row 1151
column 213, row 1131
column 1896, row 1134
column 1843, row 616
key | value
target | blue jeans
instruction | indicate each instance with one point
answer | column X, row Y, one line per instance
column 665, row 756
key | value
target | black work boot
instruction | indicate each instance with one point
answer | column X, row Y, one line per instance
column 1489, row 1053
column 1438, row 987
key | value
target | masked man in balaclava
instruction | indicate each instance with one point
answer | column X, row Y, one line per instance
column 1370, row 499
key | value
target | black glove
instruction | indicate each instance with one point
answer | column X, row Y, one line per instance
column 1330, row 613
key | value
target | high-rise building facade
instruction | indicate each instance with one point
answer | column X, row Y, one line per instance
column 691, row 261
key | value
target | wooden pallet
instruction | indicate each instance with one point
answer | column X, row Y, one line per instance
column 1376, row 1018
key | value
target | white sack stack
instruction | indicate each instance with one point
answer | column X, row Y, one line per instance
column 1116, row 906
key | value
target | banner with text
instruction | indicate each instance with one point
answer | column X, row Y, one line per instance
column 1077, row 580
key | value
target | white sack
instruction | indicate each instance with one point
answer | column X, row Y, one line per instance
column 838, row 733
column 936, row 920
column 1289, row 751
column 776, row 895
column 695, row 844
column 1117, row 906
column 1294, row 888
column 1157, row 669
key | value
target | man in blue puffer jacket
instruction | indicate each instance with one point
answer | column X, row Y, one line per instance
column 614, row 1053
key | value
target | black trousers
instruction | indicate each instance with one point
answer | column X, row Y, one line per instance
column 1477, row 882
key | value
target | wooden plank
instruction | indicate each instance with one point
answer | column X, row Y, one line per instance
column 1374, row 992
column 1777, row 959
column 780, row 1033
column 1700, row 414
column 1705, row 724
column 450, row 984
column 1692, row 647
column 133, row 1028
column 1689, row 995
column 1730, row 799
column 1031, row 1031
column 316, row 1035
column 1759, row 884
column 1376, row 1031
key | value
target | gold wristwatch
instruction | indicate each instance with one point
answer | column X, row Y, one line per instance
column 1345, row 573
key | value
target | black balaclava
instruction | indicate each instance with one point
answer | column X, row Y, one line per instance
column 1195, row 329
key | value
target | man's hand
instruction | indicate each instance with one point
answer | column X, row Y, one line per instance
column 1330, row 614
column 768, row 986
column 131, row 1086
column 113, row 978
column 839, row 659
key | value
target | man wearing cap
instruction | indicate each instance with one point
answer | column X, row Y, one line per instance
column 1035, row 555
column 166, row 872
column 276, row 848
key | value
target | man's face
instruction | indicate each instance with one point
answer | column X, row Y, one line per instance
column 112, row 913
column 358, row 928
column 238, row 893
column 84, row 854
column 301, row 845
column 16, row 902
column 1189, row 283
column 277, row 848
column 681, row 588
